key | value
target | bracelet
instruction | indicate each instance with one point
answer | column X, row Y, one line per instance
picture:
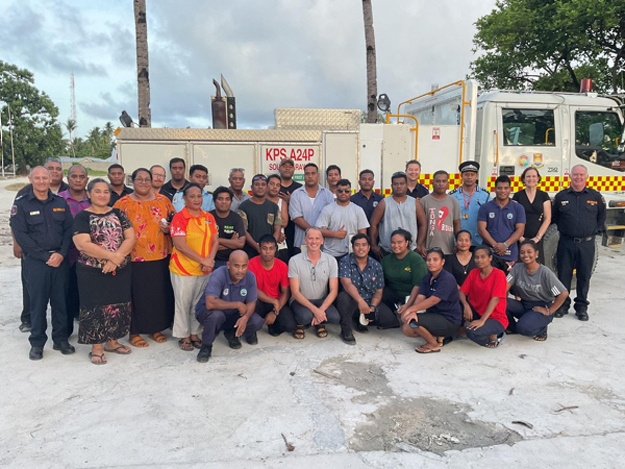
column 505, row 244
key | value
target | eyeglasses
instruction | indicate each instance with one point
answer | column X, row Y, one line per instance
column 313, row 273
column 435, row 249
column 143, row 181
column 158, row 176
column 260, row 177
column 343, row 191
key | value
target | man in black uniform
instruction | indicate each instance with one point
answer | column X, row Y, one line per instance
column 42, row 226
column 579, row 213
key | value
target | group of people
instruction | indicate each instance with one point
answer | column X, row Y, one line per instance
column 293, row 256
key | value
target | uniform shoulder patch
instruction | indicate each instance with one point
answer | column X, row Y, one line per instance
column 14, row 210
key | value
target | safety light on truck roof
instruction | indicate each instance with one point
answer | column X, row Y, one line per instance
column 586, row 85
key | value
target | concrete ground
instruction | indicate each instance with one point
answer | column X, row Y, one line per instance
column 376, row 405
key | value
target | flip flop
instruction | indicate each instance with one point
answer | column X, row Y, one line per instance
column 121, row 350
column 185, row 345
column 101, row 357
column 158, row 337
column 541, row 337
column 197, row 344
column 427, row 351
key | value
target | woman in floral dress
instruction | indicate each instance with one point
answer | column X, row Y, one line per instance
column 152, row 293
column 104, row 237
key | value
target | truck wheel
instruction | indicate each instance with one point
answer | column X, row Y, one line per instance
column 550, row 247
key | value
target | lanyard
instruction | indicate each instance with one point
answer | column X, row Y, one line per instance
column 464, row 199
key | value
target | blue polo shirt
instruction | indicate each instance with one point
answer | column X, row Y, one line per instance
column 444, row 286
column 220, row 285
column 500, row 223
column 366, row 281
column 368, row 205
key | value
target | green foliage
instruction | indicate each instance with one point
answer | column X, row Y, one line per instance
column 98, row 143
column 551, row 45
column 36, row 132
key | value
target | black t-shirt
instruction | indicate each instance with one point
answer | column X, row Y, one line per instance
column 169, row 191
column 227, row 227
column 289, row 231
column 459, row 271
column 260, row 220
column 290, row 189
column 418, row 192
column 534, row 211
column 115, row 196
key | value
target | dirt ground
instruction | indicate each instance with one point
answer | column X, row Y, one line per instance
column 375, row 405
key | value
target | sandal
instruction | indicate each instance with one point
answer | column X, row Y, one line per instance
column 97, row 359
column 427, row 350
column 492, row 344
column 196, row 343
column 158, row 337
column 299, row 332
column 321, row 331
column 137, row 341
column 541, row 337
column 185, row 345
column 120, row 349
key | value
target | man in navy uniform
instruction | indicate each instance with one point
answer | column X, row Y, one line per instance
column 42, row 226
column 579, row 213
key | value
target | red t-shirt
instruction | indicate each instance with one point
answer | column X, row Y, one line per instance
column 270, row 281
column 480, row 291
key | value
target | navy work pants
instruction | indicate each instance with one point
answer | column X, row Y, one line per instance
column 215, row 320
column 285, row 322
column 384, row 318
column 523, row 320
column 25, row 316
column 580, row 256
column 46, row 284
column 482, row 335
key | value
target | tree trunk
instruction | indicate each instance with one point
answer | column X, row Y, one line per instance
column 372, row 79
column 143, row 73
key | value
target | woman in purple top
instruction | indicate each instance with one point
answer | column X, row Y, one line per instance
column 436, row 314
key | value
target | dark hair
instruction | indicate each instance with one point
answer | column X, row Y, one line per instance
column 439, row 172
column 404, row 233
column 530, row 242
column 358, row 236
column 344, row 182
column 463, row 231
column 133, row 176
column 530, row 169
column 95, row 181
column 483, row 247
column 271, row 176
column 197, row 167
column 267, row 239
column 311, row 165
column 221, row 190
column 177, row 159
column 115, row 166
column 399, row 174
column 189, row 186
column 436, row 250
column 503, row 178
column 331, row 167
column 366, row 171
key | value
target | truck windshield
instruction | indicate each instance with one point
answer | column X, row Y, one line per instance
column 599, row 139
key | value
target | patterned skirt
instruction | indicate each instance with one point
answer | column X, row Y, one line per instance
column 105, row 306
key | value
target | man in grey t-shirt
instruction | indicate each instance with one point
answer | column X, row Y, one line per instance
column 340, row 221
column 442, row 212
column 313, row 278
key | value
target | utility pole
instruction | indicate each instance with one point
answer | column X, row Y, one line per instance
column 143, row 64
column 372, row 78
column 11, row 133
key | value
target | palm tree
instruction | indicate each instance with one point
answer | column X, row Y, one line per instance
column 143, row 73
column 71, row 126
column 372, row 80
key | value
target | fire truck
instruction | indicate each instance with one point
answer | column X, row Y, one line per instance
column 505, row 131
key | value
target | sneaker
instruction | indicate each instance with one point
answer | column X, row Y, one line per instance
column 252, row 339
column 348, row 337
column 233, row 341
column 205, row 353
column 25, row 327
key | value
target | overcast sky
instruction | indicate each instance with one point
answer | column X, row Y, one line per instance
column 274, row 53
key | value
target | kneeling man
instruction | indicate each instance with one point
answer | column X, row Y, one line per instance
column 228, row 303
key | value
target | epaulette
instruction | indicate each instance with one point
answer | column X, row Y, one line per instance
column 453, row 191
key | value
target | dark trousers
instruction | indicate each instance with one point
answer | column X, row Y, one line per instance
column 215, row 320
column 391, row 298
column 580, row 256
column 219, row 264
column 285, row 322
column 482, row 335
column 384, row 318
column 46, row 284
column 304, row 316
column 25, row 316
column 524, row 321
column 73, row 302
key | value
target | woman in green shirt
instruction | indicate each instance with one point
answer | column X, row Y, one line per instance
column 403, row 271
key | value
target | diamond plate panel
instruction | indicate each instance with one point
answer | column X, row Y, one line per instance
column 317, row 119
column 220, row 135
